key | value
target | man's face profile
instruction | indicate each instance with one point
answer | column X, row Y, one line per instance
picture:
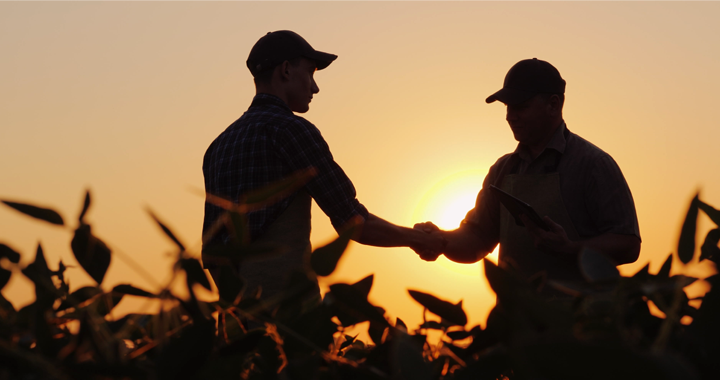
column 301, row 85
column 531, row 121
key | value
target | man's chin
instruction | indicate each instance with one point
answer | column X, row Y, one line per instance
column 301, row 109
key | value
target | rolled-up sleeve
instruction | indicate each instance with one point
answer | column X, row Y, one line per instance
column 484, row 218
column 300, row 145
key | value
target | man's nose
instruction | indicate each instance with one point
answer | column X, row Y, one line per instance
column 315, row 89
column 510, row 114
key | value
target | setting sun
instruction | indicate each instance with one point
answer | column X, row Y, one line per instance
column 446, row 204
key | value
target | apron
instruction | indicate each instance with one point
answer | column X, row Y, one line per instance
column 542, row 192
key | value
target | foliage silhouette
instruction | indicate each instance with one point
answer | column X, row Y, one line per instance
column 449, row 312
column 46, row 214
column 90, row 252
column 686, row 244
column 324, row 259
column 602, row 329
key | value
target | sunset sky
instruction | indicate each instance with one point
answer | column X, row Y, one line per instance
column 124, row 98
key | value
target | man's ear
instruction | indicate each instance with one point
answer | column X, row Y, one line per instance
column 554, row 105
column 283, row 70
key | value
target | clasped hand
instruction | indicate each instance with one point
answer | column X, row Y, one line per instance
column 435, row 242
column 555, row 241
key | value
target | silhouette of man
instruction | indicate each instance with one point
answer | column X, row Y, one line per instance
column 577, row 187
column 268, row 143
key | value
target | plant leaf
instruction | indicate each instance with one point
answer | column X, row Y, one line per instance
column 244, row 344
column 39, row 273
column 6, row 307
column 503, row 283
column 195, row 272
column 643, row 273
column 86, row 206
column 682, row 280
column 348, row 341
column 229, row 285
column 324, row 259
column 686, row 244
column 710, row 211
column 133, row 291
column 709, row 249
column 433, row 325
column 458, row 335
column 4, row 277
column 364, row 285
column 91, row 253
column 597, row 267
column 167, row 231
column 377, row 329
column 408, row 359
column 353, row 306
column 106, row 302
column 446, row 310
column 79, row 297
column 10, row 253
column 664, row 271
column 187, row 352
column 46, row 214
column 400, row 324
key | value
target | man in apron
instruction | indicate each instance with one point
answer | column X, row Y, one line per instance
column 269, row 143
column 577, row 188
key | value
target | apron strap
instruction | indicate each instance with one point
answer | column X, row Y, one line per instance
column 512, row 166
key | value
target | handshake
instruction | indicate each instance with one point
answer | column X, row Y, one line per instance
column 432, row 242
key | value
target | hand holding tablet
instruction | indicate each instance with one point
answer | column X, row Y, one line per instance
column 516, row 207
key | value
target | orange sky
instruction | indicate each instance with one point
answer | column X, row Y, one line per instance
column 124, row 98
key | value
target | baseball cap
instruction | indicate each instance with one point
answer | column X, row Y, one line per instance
column 526, row 79
column 276, row 47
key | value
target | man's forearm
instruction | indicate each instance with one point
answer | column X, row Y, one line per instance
column 381, row 233
column 464, row 246
column 623, row 249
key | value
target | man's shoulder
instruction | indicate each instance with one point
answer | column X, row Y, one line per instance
column 581, row 149
column 583, row 159
column 501, row 165
column 502, row 161
column 268, row 122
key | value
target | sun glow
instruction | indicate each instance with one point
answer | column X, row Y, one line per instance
column 446, row 203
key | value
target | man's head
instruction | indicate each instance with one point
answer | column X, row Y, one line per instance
column 283, row 63
column 534, row 93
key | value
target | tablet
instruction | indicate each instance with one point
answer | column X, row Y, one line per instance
column 516, row 207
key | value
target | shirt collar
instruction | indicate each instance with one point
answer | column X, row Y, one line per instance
column 263, row 99
column 556, row 143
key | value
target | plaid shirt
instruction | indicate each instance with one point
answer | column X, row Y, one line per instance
column 264, row 145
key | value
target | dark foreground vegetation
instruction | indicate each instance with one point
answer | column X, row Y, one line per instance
column 605, row 332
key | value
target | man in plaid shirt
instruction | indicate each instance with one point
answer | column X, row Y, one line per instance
column 268, row 143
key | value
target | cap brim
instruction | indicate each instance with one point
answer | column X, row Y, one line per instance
column 510, row 96
column 322, row 60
